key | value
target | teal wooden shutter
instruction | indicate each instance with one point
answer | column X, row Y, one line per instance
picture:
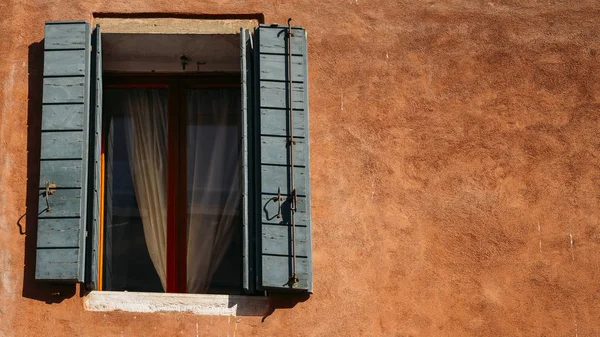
column 281, row 251
column 94, row 158
column 64, row 153
column 246, row 57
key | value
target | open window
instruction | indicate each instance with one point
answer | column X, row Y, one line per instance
column 175, row 162
column 172, row 125
column 172, row 146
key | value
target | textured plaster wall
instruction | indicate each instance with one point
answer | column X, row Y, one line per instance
column 455, row 171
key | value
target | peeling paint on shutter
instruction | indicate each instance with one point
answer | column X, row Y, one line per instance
column 273, row 160
column 64, row 153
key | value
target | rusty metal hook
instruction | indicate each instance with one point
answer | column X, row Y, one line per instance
column 49, row 191
column 293, row 281
column 278, row 199
column 290, row 27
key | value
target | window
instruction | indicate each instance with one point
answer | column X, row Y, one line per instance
column 192, row 181
column 201, row 174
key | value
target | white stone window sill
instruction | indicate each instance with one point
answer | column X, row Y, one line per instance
column 222, row 305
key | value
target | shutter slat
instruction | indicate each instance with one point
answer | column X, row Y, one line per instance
column 273, row 40
column 64, row 63
column 275, row 152
column 57, row 145
column 274, row 161
column 271, row 206
column 276, row 271
column 63, row 173
column 65, row 35
column 274, row 68
column 64, row 152
column 62, row 117
column 58, row 233
column 275, row 122
column 277, row 240
column 63, row 203
column 274, row 177
column 64, row 90
column 275, row 95
column 62, row 264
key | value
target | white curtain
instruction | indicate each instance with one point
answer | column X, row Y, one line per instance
column 146, row 135
column 212, row 179
column 212, row 176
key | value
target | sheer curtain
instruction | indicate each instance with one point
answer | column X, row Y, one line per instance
column 212, row 180
column 146, row 137
column 213, row 190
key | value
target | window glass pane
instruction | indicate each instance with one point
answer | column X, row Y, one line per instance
column 136, row 158
column 214, row 258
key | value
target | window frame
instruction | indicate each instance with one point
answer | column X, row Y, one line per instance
column 176, row 85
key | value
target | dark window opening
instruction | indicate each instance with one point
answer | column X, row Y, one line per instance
column 172, row 183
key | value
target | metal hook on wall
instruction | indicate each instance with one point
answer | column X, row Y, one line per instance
column 184, row 61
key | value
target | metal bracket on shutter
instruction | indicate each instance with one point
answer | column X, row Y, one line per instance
column 278, row 199
column 49, row 191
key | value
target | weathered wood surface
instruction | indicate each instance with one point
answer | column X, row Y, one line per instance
column 62, row 117
column 274, row 68
column 273, row 177
column 62, row 145
column 63, row 203
column 64, row 90
column 270, row 206
column 274, row 151
column 65, row 35
column 63, row 173
column 277, row 240
column 58, row 233
column 246, row 105
column 64, row 63
column 64, row 152
column 273, row 40
column 57, row 264
column 275, row 95
column 276, row 271
column 276, row 122
column 95, row 152
column 275, row 157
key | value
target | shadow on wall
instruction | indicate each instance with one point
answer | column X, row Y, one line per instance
column 47, row 292
column 284, row 301
column 256, row 306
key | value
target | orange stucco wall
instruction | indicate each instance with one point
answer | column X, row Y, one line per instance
column 455, row 159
